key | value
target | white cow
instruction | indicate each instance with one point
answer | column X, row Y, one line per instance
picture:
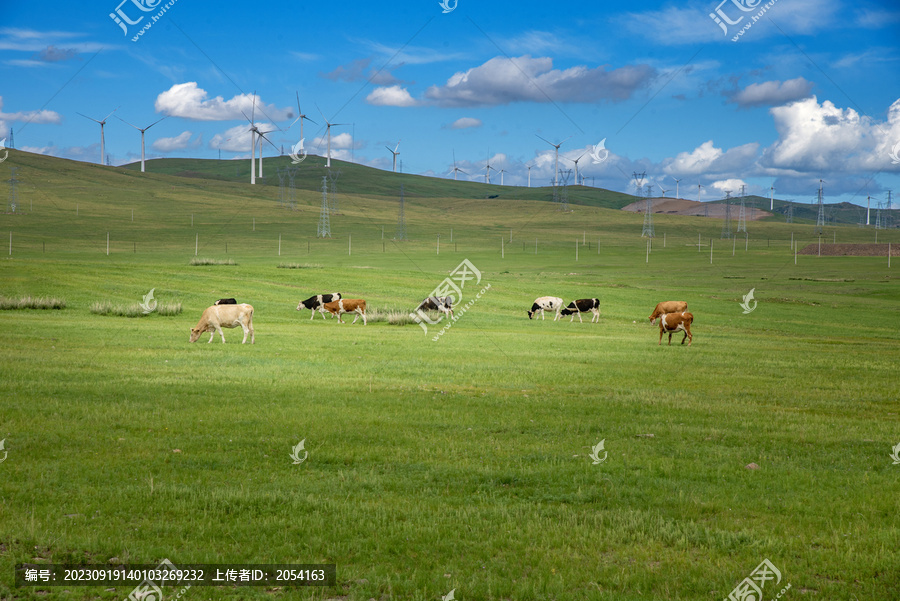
column 225, row 316
column 546, row 303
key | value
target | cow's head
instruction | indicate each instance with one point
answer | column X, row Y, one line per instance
column 195, row 334
column 302, row 306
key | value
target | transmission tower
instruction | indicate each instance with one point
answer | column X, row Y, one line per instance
column 820, row 219
column 647, row 229
column 333, row 176
column 789, row 212
column 292, row 200
column 401, row 220
column 879, row 220
column 282, row 173
column 564, row 190
column 726, row 225
column 324, row 228
column 12, row 139
column 13, row 195
column 742, row 215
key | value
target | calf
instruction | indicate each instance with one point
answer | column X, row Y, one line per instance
column 582, row 305
column 316, row 302
column 444, row 304
column 667, row 307
column 226, row 301
column 347, row 305
column 225, row 316
column 546, row 303
column 670, row 323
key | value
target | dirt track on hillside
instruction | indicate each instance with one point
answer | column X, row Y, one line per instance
column 681, row 206
column 850, row 250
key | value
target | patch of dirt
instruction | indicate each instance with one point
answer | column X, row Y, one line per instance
column 681, row 206
column 850, row 250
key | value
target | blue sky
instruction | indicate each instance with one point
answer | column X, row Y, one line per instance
column 808, row 91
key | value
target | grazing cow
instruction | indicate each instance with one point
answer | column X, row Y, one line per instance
column 667, row 307
column 546, row 303
column 582, row 305
column 670, row 323
column 315, row 302
column 347, row 305
column 225, row 316
column 444, row 304
column 226, row 301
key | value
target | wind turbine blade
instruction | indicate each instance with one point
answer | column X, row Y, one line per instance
column 397, row 146
column 582, row 154
column 323, row 116
column 308, row 119
column 253, row 110
column 569, row 138
column 155, row 122
column 110, row 115
column 261, row 135
column 127, row 123
column 547, row 141
column 86, row 117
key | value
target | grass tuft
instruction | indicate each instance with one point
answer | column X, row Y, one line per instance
column 133, row 309
column 31, row 302
column 299, row 266
column 201, row 261
column 396, row 317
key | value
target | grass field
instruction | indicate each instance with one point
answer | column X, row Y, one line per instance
column 461, row 463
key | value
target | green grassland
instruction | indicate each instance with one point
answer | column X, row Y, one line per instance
column 460, row 463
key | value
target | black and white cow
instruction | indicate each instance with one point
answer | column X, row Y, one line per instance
column 444, row 304
column 315, row 303
column 226, row 301
column 546, row 303
column 582, row 305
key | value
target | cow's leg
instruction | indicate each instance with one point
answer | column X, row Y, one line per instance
column 339, row 316
column 660, row 336
column 221, row 333
column 211, row 335
column 246, row 331
column 579, row 318
column 313, row 316
column 542, row 314
column 687, row 334
column 596, row 315
column 670, row 338
column 355, row 316
column 365, row 323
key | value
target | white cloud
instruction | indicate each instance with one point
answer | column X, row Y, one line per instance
column 465, row 123
column 771, row 93
column 189, row 101
column 728, row 185
column 30, row 116
column 390, row 96
column 525, row 79
column 709, row 161
column 179, row 142
column 822, row 138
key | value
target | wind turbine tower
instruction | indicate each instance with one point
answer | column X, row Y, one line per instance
column 676, row 187
column 556, row 164
column 142, row 135
column 395, row 152
column 772, row 197
column 329, row 125
column 102, row 139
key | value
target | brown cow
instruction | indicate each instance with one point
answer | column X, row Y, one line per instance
column 225, row 316
column 347, row 305
column 667, row 307
column 670, row 323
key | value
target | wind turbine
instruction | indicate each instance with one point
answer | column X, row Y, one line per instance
column 395, row 152
column 328, row 133
column 300, row 117
column 529, row 175
column 663, row 190
column 102, row 142
column 142, row 135
column 502, row 171
column 487, row 170
column 556, row 167
column 698, row 191
column 456, row 169
column 253, row 132
column 576, row 164
column 772, row 198
column 676, row 186
column 262, row 136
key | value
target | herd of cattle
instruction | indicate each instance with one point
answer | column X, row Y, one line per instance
column 227, row 313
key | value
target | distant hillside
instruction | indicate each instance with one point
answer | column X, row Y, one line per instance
column 368, row 181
